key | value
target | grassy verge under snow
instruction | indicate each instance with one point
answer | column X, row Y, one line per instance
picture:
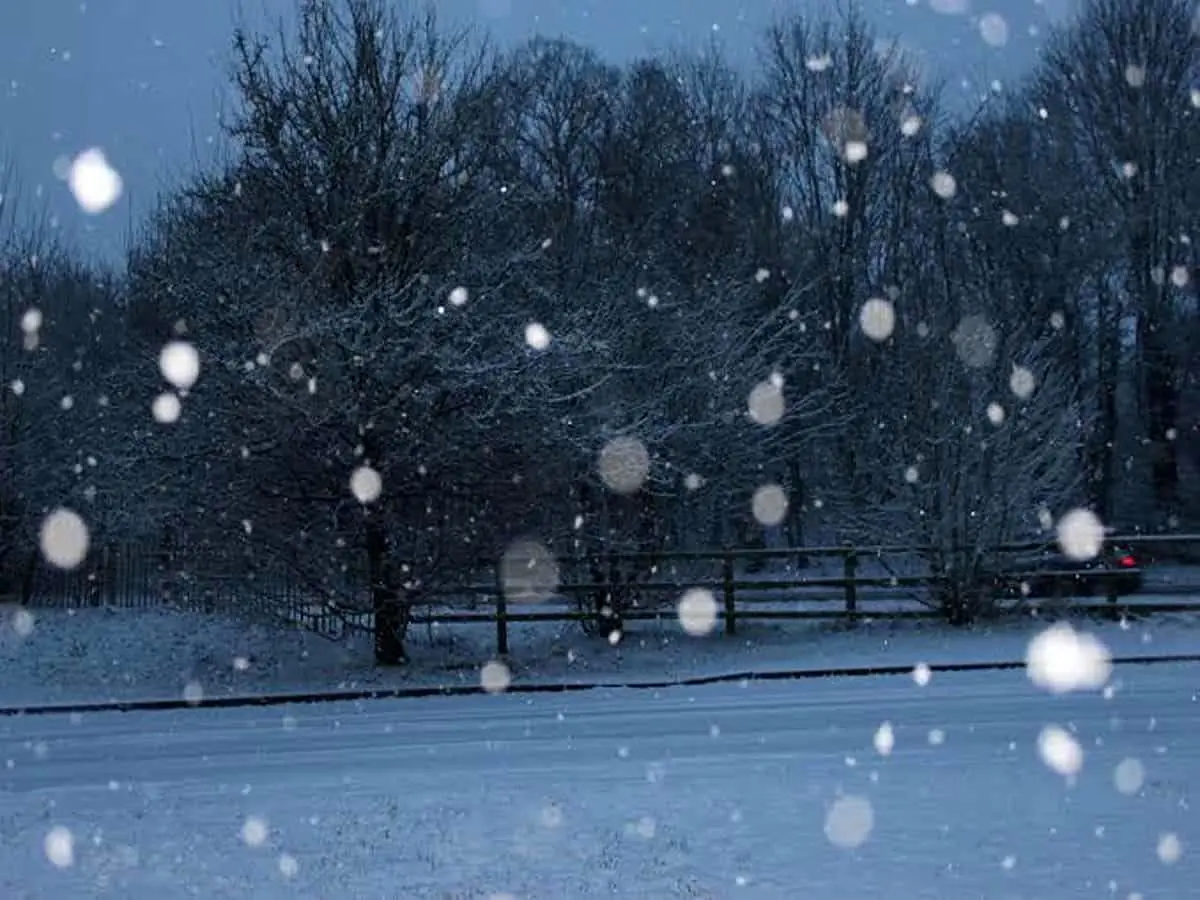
column 53, row 656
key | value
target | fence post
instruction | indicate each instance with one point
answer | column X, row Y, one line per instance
column 612, row 614
column 1114, row 611
column 107, row 592
column 727, row 584
column 851, row 573
column 501, row 615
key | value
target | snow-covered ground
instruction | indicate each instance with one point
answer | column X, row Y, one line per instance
column 59, row 656
column 839, row 789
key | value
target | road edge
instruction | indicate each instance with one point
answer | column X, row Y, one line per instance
column 534, row 687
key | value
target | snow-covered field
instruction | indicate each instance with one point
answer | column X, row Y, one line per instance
column 976, row 785
column 60, row 656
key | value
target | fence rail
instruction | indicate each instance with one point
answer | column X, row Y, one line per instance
column 858, row 583
column 850, row 596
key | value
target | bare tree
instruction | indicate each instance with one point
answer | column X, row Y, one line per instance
column 317, row 275
column 471, row 273
column 851, row 130
column 1029, row 206
column 977, row 409
column 1117, row 85
column 60, row 347
column 983, row 433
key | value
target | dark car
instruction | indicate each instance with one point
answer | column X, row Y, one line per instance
column 1049, row 573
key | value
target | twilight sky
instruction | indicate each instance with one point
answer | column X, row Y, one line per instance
column 143, row 79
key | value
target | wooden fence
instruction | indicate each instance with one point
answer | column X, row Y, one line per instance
column 852, row 595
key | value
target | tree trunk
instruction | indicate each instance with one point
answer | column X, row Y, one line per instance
column 796, row 508
column 1105, row 435
column 1161, row 395
column 386, row 603
column 29, row 577
column 1163, row 405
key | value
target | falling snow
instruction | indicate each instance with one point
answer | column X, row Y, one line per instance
column 1080, row 534
column 1169, row 849
column 59, row 846
column 22, row 623
column 254, row 831
column 975, row 342
column 766, row 403
column 769, row 505
column 179, row 363
column 64, row 539
column 849, row 822
column 624, row 465
column 1061, row 659
column 993, row 29
column 885, row 739
column 944, row 185
column 95, row 184
column 698, row 611
column 877, row 318
column 1129, row 776
column 1021, row 382
column 366, row 484
column 1060, row 751
column 529, row 573
column 166, row 408
column 536, row 336
column 495, row 677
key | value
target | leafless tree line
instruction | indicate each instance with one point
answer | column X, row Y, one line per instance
column 922, row 329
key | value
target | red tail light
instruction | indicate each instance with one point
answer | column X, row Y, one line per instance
column 1127, row 562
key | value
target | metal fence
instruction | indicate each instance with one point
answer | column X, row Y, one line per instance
column 132, row 576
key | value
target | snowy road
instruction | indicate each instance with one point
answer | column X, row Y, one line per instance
column 722, row 791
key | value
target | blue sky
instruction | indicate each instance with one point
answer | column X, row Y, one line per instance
column 144, row 79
